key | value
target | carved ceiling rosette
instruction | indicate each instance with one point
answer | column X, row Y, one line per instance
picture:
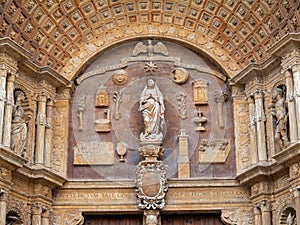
column 151, row 184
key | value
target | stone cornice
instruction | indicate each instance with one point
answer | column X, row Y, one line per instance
column 289, row 155
column 9, row 159
column 43, row 175
column 24, row 59
column 283, row 46
column 256, row 70
column 259, row 172
column 13, row 162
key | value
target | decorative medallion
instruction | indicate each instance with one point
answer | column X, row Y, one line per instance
column 120, row 77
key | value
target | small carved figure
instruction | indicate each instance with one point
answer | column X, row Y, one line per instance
column 19, row 126
column 152, row 108
column 280, row 114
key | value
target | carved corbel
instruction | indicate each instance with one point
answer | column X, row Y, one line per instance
column 68, row 218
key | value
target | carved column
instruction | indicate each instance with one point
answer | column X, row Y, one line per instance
column 45, row 216
column 3, row 205
column 291, row 106
column 40, row 129
column 257, row 216
column 36, row 212
column 296, row 76
column 48, row 134
column 3, row 75
column 266, row 212
column 253, row 138
column 220, row 99
column 183, row 158
column 296, row 194
column 8, row 110
column 260, row 125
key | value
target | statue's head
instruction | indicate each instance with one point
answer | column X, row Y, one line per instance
column 150, row 83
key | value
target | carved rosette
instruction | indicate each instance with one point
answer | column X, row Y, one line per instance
column 151, row 185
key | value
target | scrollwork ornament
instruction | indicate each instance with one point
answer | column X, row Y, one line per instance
column 151, row 185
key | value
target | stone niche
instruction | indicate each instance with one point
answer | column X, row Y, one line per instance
column 123, row 76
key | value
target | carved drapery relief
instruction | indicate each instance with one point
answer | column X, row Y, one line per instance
column 19, row 125
column 152, row 108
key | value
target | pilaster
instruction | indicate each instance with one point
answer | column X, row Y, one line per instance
column 3, row 206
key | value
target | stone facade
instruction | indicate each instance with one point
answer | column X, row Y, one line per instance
column 217, row 134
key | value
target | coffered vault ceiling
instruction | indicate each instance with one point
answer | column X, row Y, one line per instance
column 65, row 34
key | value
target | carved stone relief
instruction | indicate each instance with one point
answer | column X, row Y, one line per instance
column 120, row 77
column 67, row 218
column 94, row 153
column 180, row 75
column 237, row 216
column 180, row 96
column 200, row 92
column 214, row 151
column 151, row 185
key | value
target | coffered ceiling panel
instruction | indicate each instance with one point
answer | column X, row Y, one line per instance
column 54, row 31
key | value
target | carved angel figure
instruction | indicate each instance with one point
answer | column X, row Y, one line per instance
column 152, row 108
column 19, row 127
column 150, row 49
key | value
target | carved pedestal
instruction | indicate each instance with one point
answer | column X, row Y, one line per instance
column 151, row 183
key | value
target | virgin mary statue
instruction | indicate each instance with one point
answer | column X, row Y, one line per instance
column 152, row 108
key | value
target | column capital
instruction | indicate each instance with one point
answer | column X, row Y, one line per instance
column 42, row 97
column 265, row 206
column 37, row 208
column 46, row 211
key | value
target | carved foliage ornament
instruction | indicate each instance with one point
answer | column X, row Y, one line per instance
column 151, row 185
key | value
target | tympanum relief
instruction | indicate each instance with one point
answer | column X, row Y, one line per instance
column 141, row 101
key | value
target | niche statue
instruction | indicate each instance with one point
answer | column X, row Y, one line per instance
column 280, row 114
column 19, row 127
column 152, row 108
